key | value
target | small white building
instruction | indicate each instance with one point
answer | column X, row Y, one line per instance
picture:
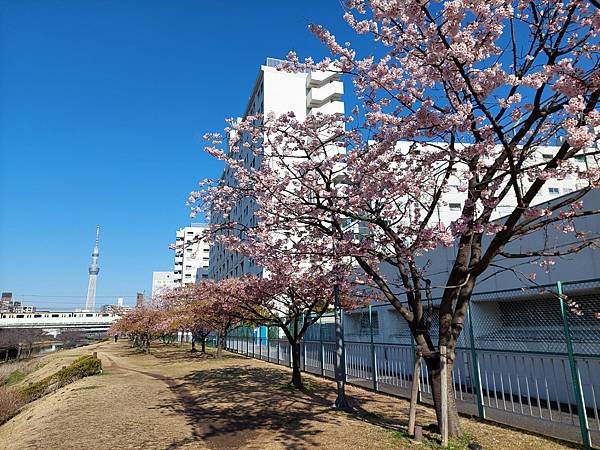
column 192, row 255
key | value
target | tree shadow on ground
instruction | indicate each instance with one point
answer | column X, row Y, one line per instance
column 173, row 353
column 229, row 407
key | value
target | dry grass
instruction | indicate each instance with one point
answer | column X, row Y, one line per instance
column 10, row 402
column 174, row 399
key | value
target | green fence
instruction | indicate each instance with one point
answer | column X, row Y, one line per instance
column 525, row 357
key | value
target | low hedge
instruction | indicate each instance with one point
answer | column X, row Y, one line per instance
column 83, row 366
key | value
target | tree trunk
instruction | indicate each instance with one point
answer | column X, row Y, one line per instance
column 203, row 342
column 220, row 343
column 296, row 374
column 433, row 367
column 193, row 344
column 181, row 342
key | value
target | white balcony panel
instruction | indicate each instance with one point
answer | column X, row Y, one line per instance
column 329, row 92
column 317, row 78
column 336, row 107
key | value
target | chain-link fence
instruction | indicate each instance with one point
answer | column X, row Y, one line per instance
column 526, row 358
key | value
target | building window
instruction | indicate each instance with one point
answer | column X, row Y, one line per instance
column 553, row 190
column 454, row 206
column 546, row 156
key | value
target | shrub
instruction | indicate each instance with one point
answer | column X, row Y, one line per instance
column 84, row 366
column 10, row 402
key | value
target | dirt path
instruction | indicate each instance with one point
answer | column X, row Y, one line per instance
column 172, row 399
column 116, row 410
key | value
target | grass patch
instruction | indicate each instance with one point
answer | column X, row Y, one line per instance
column 83, row 366
column 14, row 377
column 14, row 371
column 432, row 441
column 83, row 388
column 400, row 437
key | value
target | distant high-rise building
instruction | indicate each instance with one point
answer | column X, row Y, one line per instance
column 6, row 302
column 139, row 299
column 192, row 255
column 93, row 271
column 162, row 281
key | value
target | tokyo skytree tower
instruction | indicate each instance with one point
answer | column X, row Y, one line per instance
column 93, row 271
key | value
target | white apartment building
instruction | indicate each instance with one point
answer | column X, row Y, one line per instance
column 192, row 255
column 278, row 92
column 161, row 281
column 450, row 207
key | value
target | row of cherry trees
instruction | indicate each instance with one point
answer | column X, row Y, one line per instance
column 477, row 89
column 290, row 298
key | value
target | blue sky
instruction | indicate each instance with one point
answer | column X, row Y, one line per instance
column 103, row 105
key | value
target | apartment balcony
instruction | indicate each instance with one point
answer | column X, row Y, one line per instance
column 330, row 92
column 321, row 78
column 336, row 107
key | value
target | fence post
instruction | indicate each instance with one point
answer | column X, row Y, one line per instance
column 260, row 342
column 345, row 365
column 583, row 423
column 278, row 357
column 476, row 382
column 373, row 355
column 444, row 395
column 321, row 349
column 303, row 365
column 252, row 331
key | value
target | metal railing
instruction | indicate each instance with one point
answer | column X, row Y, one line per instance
column 525, row 358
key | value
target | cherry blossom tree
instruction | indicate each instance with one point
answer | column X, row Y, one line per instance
column 212, row 306
column 142, row 324
column 292, row 299
column 461, row 95
column 203, row 309
column 187, row 314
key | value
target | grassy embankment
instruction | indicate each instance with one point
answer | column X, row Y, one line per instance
column 14, row 394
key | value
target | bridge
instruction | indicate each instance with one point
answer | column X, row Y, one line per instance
column 56, row 322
